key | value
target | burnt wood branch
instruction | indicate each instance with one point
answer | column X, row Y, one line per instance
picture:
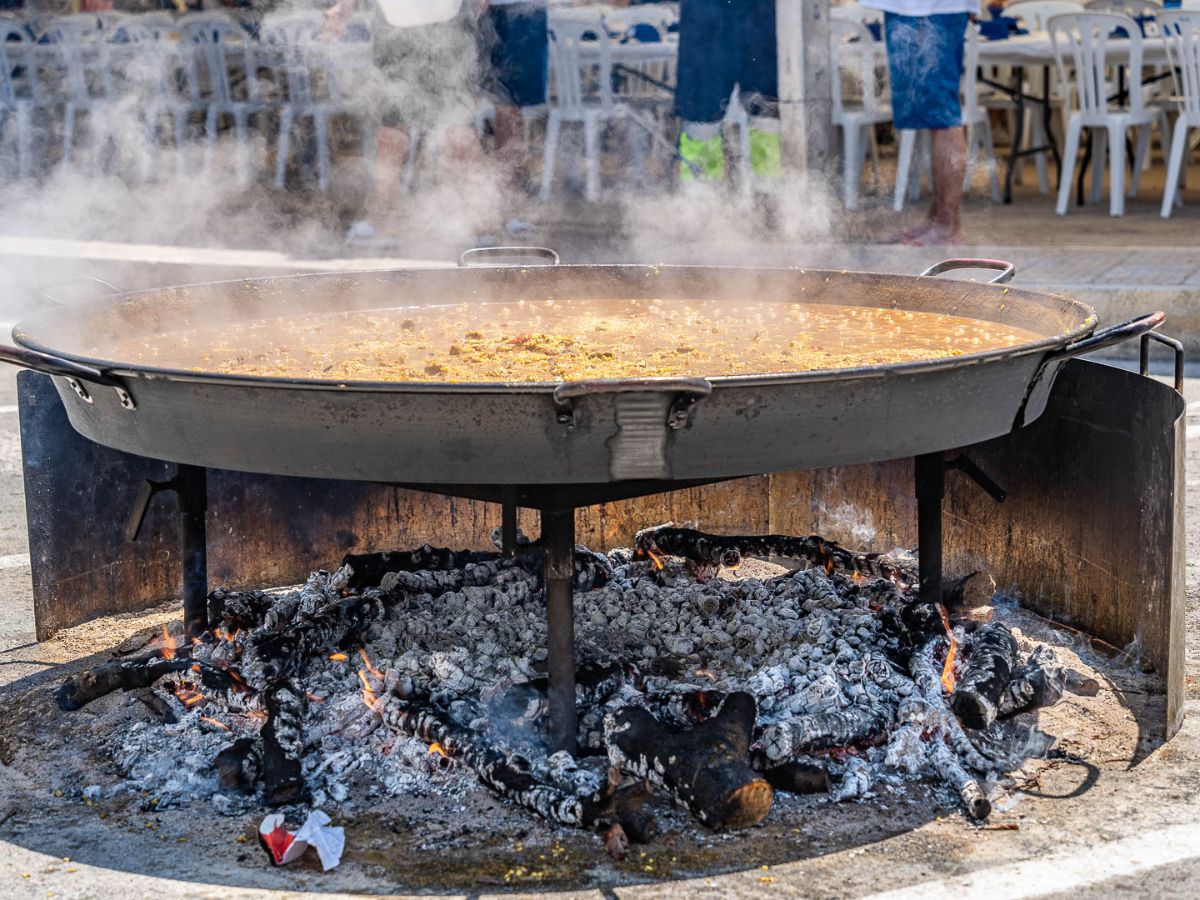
column 283, row 744
column 799, row 778
column 1037, row 683
column 368, row 569
column 83, row 687
column 338, row 624
column 853, row 726
column 989, row 659
column 974, row 798
column 706, row 770
column 239, row 765
column 507, row 774
column 712, row 551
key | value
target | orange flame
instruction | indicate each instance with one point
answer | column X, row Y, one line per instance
column 338, row 657
column 857, row 577
column 188, row 695
column 168, row 645
column 368, row 692
column 366, row 659
column 948, row 681
column 437, row 748
column 214, row 722
column 656, row 559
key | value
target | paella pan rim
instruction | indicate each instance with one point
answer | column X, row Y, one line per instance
column 23, row 334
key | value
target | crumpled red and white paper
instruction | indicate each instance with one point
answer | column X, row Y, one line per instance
column 287, row 846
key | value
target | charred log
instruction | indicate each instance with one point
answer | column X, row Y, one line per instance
column 507, row 774
column 239, row 609
column 970, row 791
column 851, row 727
column 341, row 623
column 991, row 656
column 239, row 765
column 706, row 770
column 131, row 674
column 283, row 744
column 712, row 551
column 368, row 569
column 1037, row 683
column 799, row 778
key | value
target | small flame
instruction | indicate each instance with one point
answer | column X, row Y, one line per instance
column 338, row 657
column 188, row 695
column 948, row 681
column 437, row 748
column 368, row 692
column 857, row 577
column 214, row 723
column 367, row 660
column 168, row 645
column 656, row 559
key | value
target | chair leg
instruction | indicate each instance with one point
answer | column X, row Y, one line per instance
column 68, row 141
column 904, row 162
column 550, row 155
column 1099, row 147
column 241, row 141
column 210, row 140
column 1037, row 135
column 283, row 146
column 989, row 160
column 321, row 132
column 181, row 141
column 1139, row 158
column 1116, row 175
column 873, row 146
column 24, row 142
column 1070, row 151
column 852, row 161
column 1174, row 168
column 591, row 152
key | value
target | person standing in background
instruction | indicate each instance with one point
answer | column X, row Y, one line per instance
column 723, row 44
column 925, row 41
column 515, row 44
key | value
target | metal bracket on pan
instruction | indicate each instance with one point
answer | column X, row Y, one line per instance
column 77, row 375
column 1007, row 270
column 1144, row 356
column 488, row 254
column 646, row 412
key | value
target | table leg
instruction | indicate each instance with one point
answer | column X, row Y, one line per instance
column 1018, row 129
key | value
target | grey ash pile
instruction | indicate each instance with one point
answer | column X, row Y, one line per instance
column 421, row 673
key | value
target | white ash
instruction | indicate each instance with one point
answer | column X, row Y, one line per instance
column 802, row 643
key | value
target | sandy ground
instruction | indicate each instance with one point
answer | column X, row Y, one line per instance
column 1110, row 827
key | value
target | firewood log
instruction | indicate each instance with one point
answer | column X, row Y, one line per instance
column 713, row 551
column 853, row 726
column 369, row 568
column 238, row 765
column 990, row 657
column 337, row 624
column 798, row 778
column 970, row 791
column 83, row 687
column 283, row 744
column 706, row 770
column 1038, row 682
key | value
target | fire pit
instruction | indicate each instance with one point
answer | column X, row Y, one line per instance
column 737, row 708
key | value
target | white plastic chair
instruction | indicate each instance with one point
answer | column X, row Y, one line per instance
column 1181, row 34
column 570, row 103
column 857, row 115
column 979, row 136
column 1034, row 14
column 1081, row 44
column 86, row 82
column 1130, row 8
column 222, row 55
column 18, row 96
column 856, row 12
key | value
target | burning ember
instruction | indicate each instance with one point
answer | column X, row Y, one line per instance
column 820, row 679
column 168, row 644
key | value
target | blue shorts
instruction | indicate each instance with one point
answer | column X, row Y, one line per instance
column 517, row 51
column 925, row 63
column 723, row 43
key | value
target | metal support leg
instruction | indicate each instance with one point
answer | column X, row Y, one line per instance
column 508, row 523
column 192, row 487
column 931, row 487
column 558, row 538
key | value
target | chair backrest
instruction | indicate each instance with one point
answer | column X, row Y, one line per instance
column 855, row 12
column 295, row 39
column 640, row 22
column 1181, row 34
column 571, row 40
column 853, row 65
column 1034, row 13
column 82, row 49
column 1131, row 8
column 1081, row 45
column 151, row 71
column 212, row 36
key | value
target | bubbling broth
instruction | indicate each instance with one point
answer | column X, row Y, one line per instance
column 568, row 340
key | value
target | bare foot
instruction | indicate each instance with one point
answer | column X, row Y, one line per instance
column 936, row 236
column 911, row 235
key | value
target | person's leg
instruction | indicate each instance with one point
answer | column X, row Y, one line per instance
column 519, row 61
column 949, row 166
column 758, row 81
column 391, row 153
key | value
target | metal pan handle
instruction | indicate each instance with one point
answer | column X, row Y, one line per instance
column 1106, row 337
column 571, row 390
column 75, row 373
column 484, row 254
column 1007, row 270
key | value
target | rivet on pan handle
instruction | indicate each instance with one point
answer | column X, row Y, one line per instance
column 76, row 374
column 488, row 255
column 1007, row 270
column 646, row 411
